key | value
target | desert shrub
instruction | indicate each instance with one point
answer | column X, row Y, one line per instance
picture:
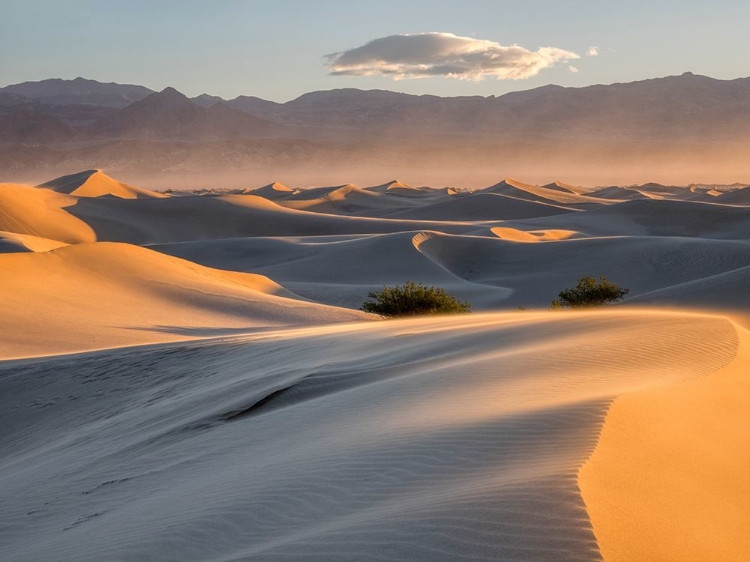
column 589, row 292
column 413, row 299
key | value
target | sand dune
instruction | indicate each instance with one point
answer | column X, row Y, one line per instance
column 396, row 187
column 346, row 199
column 95, row 183
column 560, row 186
column 427, row 439
column 654, row 218
column 550, row 195
column 488, row 271
column 727, row 292
column 272, row 191
column 175, row 219
column 42, row 213
column 13, row 242
column 660, row 191
column 537, row 272
column 330, row 192
column 566, row 187
column 93, row 296
column 683, row 470
column 516, row 235
column 332, row 269
column 736, row 197
column 618, row 193
column 481, row 206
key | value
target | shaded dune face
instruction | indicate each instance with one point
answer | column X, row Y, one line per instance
column 418, row 439
column 147, row 221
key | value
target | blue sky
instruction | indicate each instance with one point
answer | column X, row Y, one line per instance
column 276, row 49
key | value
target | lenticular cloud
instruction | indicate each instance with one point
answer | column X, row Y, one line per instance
column 444, row 54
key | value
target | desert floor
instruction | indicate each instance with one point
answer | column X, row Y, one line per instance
column 187, row 376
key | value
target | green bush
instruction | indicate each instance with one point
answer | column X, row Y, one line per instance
column 413, row 299
column 589, row 292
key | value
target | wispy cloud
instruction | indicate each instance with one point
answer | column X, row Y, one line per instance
column 444, row 54
column 573, row 69
column 592, row 52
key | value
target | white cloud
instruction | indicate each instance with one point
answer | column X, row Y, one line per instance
column 572, row 68
column 444, row 54
column 592, row 52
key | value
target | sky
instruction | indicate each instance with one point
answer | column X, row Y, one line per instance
column 281, row 49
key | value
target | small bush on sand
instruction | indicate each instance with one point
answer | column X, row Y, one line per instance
column 589, row 292
column 413, row 299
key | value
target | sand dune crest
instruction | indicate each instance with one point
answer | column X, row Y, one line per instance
column 95, row 183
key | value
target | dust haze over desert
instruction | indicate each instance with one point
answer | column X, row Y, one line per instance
column 203, row 212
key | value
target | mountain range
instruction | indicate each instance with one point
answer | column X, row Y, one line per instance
column 685, row 123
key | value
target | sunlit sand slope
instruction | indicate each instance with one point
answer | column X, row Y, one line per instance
column 95, row 183
column 91, row 296
column 456, row 438
column 42, row 213
column 668, row 479
column 13, row 242
column 545, row 194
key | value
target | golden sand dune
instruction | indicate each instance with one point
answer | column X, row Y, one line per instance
column 444, row 438
column 348, row 199
column 667, row 480
column 42, row 213
column 271, row 191
column 552, row 195
column 344, row 199
column 516, row 235
column 13, row 242
column 95, row 183
column 93, row 296
column 396, row 187
column 566, row 187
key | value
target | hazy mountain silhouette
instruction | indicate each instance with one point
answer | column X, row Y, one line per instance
column 676, row 105
column 57, row 91
column 25, row 124
column 171, row 115
column 206, row 100
column 677, row 123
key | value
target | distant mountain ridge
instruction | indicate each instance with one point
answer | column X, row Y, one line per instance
column 686, row 106
column 56, row 91
column 171, row 115
column 662, row 123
